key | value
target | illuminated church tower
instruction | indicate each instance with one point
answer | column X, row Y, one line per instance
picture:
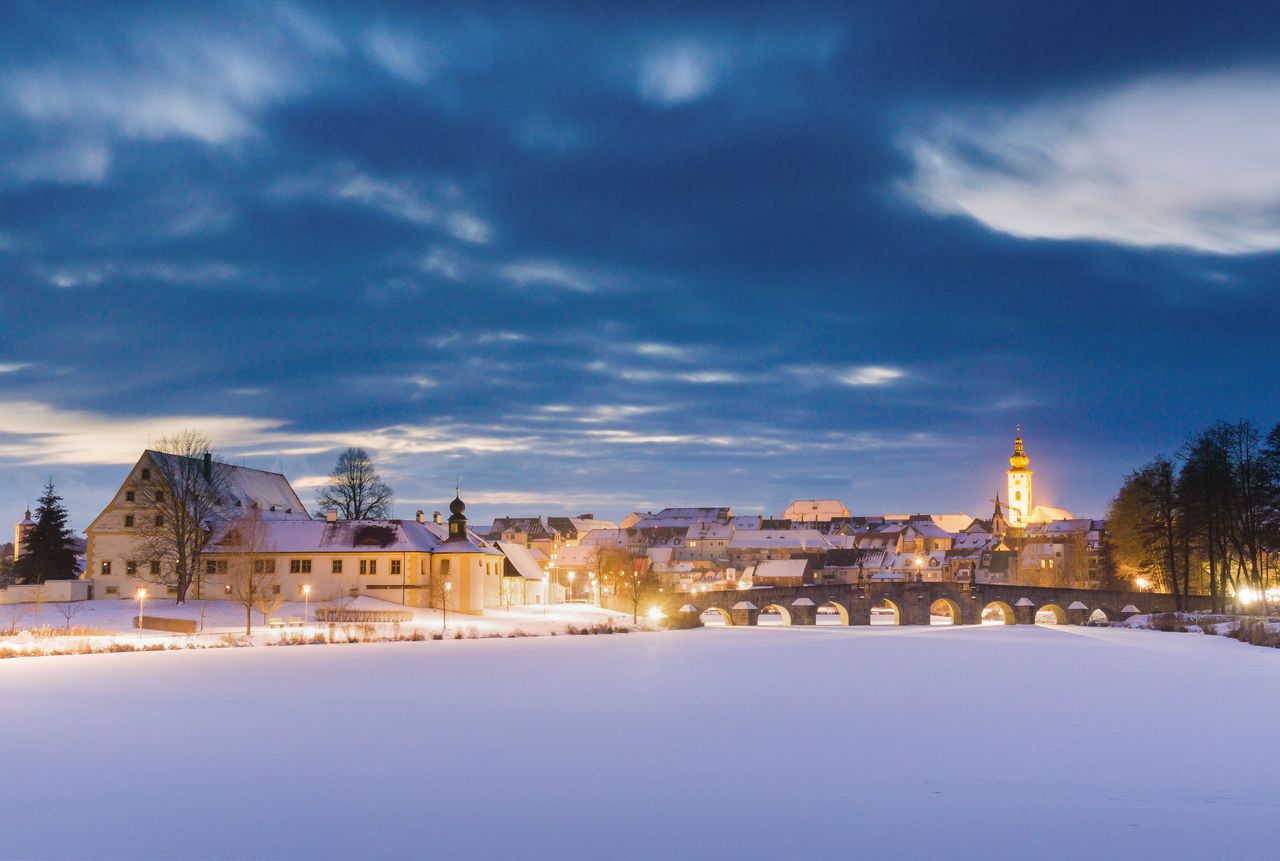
column 1019, row 484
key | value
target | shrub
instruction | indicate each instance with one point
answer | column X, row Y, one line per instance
column 1167, row 622
column 681, row 621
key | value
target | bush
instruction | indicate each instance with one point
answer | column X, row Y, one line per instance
column 681, row 621
column 1168, row 622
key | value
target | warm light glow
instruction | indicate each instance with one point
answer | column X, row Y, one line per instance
column 306, row 589
column 1141, row 582
column 1246, row 596
column 919, row 561
column 140, row 594
column 448, row 586
column 655, row 614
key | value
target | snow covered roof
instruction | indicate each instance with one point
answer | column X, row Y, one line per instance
column 345, row 536
column 522, row 560
column 534, row 527
column 269, row 491
column 707, row 530
column 1076, row 605
column 788, row 568
column 797, row 539
column 683, row 517
column 815, row 509
column 802, row 602
column 1046, row 514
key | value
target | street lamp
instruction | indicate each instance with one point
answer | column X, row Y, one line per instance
column 595, row 594
column 448, row 587
column 142, row 597
column 306, row 605
column 919, row 566
column 571, row 576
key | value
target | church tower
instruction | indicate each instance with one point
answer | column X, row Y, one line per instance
column 1019, row 484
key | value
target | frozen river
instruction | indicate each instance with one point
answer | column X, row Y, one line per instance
column 971, row 742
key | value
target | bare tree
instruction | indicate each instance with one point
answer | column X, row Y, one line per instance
column 68, row 610
column 180, row 508
column 251, row 571
column 355, row 489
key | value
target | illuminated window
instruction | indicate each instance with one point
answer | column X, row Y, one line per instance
column 1017, row 496
column 131, row 569
column 106, row 568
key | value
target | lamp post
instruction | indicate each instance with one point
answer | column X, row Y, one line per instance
column 595, row 595
column 306, row 606
column 551, row 576
column 448, row 587
column 142, row 597
column 571, row 576
column 919, row 567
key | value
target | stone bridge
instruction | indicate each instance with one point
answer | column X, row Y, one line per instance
column 913, row 603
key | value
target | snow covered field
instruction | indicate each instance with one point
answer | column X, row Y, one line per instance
column 971, row 742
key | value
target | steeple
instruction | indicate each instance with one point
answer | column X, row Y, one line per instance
column 1019, row 483
column 998, row 524
column 457, row 516
column 1018, row 460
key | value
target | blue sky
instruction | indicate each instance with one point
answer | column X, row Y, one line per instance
column 589, row 259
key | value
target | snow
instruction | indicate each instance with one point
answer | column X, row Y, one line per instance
column 952, row 742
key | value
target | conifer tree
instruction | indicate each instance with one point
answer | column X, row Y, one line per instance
column 47, row 551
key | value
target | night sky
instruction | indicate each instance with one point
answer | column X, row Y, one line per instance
column 592, row 259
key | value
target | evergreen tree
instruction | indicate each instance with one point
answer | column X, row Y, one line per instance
column 47, row 550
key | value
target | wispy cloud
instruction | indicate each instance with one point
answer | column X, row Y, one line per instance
column 1186, row 161
column 406, row 199
column 401, row 52
column 677, row 73
column 13, row 367
column 548, row 273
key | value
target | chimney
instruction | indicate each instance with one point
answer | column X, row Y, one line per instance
column 208, row 466
column 422, row 516
column 331, row 516
column 435, row 518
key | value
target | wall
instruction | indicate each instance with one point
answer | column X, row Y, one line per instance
column 54, row 591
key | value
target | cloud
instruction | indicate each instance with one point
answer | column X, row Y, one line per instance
column 548, row 273
column 401, row 53
column 404, row 199
column 13, row 367
column 869, row 375
column 1183, row 161
column 677, row 73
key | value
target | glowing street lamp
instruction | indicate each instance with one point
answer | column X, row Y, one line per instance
column 919, row 567
column 448, row 587
column 142, row 597
column 571, row 576
column 595, row 593
column 1142, row 583
column 306, row 605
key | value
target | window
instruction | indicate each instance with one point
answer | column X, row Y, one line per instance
column 275, row 589
column 226, row 590
column 373, row 566
column 128, row 496
column 106, row 568
column 1017, row 496
column 128, row 521
column 131, row 569
column 264, row 566
column 299, row 566
column 337, row 566
column 395, row 567
column 155, row 567
column 146, row 475
column 215, row 566
column 159, row 520
column 112, row 590
column 159, row 496
column 232, row 537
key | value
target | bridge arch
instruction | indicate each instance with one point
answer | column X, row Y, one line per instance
column 944, row 607
column 723, row 616
column 997, row 613
column 1100, row 615
column 1050, row 614
column 841, row 611
column 774, row 608
column 894, row 617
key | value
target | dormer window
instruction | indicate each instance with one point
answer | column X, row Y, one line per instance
column 146, row 474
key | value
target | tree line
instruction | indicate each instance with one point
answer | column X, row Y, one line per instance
column 1205, row 520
